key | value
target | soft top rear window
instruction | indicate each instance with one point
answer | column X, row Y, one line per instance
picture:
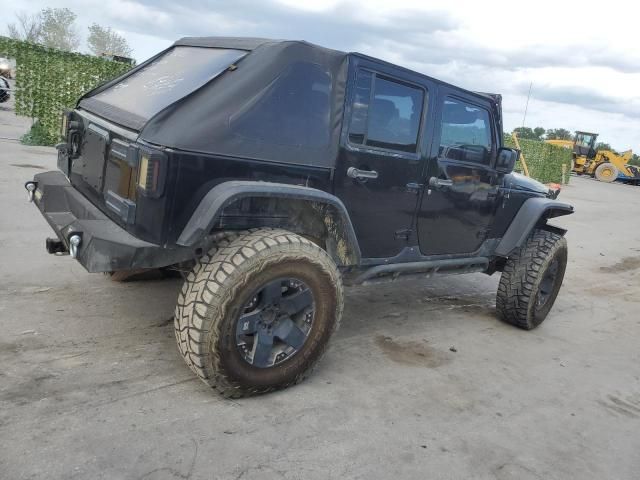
column 167, row 79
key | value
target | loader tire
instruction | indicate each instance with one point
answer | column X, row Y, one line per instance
column 256, row 315
column 606, row 172
column 531, row 280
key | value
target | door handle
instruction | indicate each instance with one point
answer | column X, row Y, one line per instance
column 435, row 182
column 353, row 172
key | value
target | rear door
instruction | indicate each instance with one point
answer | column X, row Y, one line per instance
column 382, row 155
column 461, row 192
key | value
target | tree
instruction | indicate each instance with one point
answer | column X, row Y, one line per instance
column 58, row 29
column 559, row 134
column 635, row 160
column 28, row 27
column 603, row 146
column 523, row 132
column 538, row 132
column 528, row 133
column 51, row 27
column 105, row 40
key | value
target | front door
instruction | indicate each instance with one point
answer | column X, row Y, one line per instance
column 380, row 159
column 461, row 191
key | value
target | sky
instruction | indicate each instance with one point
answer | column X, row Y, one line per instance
column 582, row 58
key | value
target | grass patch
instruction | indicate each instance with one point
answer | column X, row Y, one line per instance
column 37, row 135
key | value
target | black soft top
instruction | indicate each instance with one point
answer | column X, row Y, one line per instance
column 283, row 102
column 238, row 43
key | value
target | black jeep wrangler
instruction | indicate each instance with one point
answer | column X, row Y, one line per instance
column 269, row 173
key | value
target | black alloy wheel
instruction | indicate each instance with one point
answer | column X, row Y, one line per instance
column 547, row 284
column 257, row 311
column 275, row 323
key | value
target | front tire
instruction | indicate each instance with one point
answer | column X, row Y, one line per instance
column 606, row 172
column 256, row 315
column 531, row 280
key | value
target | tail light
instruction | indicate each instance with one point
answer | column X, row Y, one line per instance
column 70, row 133
column 151, row 172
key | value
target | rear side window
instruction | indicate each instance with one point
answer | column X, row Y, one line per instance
column 294, row 109
column 466, row 132
column 385, row 113
column 167, row 79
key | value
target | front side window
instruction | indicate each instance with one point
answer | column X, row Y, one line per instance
column 390, row 117
column 465, row 132
column 168, row 78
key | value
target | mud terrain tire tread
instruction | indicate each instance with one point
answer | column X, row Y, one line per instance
column 218, row 278
column 522, row 274
column 190, row 288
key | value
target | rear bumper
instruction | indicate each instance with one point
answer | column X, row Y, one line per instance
column 105, row 246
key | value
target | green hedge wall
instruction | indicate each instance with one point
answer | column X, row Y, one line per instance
column 49, row 80
column 543, row 159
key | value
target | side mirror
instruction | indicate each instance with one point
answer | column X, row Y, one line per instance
column 507, row 158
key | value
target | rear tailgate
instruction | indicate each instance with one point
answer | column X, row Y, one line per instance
column 103, row 165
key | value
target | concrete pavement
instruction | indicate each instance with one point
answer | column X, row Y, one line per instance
column 92, row 385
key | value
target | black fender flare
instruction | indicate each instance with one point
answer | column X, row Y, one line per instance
column 346, row 250
column 532, row 212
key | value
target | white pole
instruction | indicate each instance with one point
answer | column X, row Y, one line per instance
column 526, row 107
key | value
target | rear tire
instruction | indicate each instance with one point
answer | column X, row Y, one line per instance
column 230, row 284
column 531, row 280
column 606, row 172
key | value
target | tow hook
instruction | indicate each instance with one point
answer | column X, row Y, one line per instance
column 74, row 245
column 31, row 189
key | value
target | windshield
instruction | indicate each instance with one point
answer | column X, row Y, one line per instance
column 585, row 139
column 167, row 79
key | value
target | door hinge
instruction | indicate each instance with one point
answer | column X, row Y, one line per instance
column 414, row 187
column 403, row 234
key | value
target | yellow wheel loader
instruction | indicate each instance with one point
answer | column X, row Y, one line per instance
column 604, row 165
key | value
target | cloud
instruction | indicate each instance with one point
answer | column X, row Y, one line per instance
column 592, row 75
column 123, row 11
column 433, row 36
column 413, row 33
column 341, row 26
column 428, row 36
column 442, row 47
column 587, row 98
